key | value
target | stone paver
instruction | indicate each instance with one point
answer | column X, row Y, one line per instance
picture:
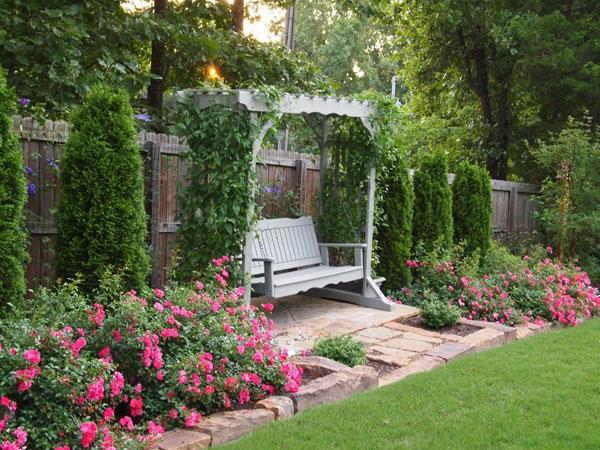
column 366, row 340
column 511, row 333
column 231, row 425
column 451, row 337
column 318, row 366
column 450, row 350
column 334, row 387
column 536, row 329
column 403, row 327
column 523, row 332
column 282, row 407
column 391, row 351
column 407, row 344
column 379, row 333
column 422, row 364
column 390, row 360
column 420, row 337
column 338, row 327
column 184, row 440
column 485, row 338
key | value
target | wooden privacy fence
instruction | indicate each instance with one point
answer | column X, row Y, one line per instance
column 289, row 183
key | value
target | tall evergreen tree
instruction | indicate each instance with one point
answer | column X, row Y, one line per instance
column 395, row 235
column 13, row 196
column 472, row 208
column 101, row 216
column 432, row 220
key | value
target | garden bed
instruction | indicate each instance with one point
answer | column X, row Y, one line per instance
column 460, row 329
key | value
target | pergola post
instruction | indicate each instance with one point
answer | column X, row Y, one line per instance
column 369, row 229
column 247, row 252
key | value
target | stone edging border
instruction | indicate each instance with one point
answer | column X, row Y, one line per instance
column 331, row 382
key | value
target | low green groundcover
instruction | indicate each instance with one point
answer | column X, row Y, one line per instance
column 541, row 392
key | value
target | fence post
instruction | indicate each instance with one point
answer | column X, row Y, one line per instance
column 154, row 151
column 514, row 208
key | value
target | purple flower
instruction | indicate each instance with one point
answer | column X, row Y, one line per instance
column 31, row 189
column 24, row 101
column 52, row 163
column 143, row 117
column 28, row 171
column 277, row 189
column 268, row 189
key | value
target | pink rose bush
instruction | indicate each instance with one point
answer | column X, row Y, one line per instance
column 539, row 289
column 113, row 376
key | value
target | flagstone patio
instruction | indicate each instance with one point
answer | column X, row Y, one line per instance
column 301, row 320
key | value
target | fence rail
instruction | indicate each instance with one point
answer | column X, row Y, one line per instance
column 289, row 184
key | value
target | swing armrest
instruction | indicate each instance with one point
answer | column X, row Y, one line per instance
column 268, row 274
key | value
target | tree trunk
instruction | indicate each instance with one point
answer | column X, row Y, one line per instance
column 156, row 88
column 237, row 14
column 498, row 160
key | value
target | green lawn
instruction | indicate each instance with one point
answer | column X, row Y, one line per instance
column 542, row 392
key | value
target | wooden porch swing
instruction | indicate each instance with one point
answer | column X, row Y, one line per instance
column 283, row 257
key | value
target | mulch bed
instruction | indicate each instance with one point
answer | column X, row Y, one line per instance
column 458, row 329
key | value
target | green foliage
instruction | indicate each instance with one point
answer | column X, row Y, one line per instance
column 394, row 235
column 221, row 185
column 504, row 70
column 432, row 219
column 344, row 349
column 101, row 216
column 345, row 195
column 472, row 208
column 350, row 45
column 499, row 259
column 198, row 34
column 438, row 314
column 569, row 212
column 13, row 195
column 54, row 52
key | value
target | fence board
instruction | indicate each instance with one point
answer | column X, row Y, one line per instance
column 165, row 170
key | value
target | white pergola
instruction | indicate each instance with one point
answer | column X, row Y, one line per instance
column 316, row 111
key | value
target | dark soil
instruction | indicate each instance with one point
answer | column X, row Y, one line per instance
column 307, row 379
column 458, row 329
column 381, row 367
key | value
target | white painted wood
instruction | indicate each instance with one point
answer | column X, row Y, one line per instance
column 254, row 101
column 369, row 228
column 290, row 283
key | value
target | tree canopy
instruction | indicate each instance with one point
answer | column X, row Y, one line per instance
column 511, row 70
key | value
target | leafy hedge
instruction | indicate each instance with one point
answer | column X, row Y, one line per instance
column 394, row 235
column 432, row 220
column 116, row 376
column 472, row 208
column 13, row 196
column 101, row 216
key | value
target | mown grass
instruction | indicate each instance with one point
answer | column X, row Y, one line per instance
column 542, row 393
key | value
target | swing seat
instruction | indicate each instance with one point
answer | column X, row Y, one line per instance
column 289, row 260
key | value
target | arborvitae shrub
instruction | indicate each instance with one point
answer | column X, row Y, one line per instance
column 472, row 208
column 101, row 216
column 432, row 220
column 13, row 196
column 395, row 235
